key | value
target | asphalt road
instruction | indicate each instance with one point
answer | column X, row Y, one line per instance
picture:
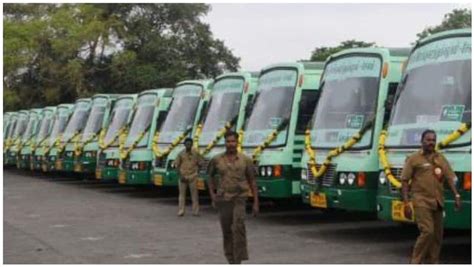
column 55, row 219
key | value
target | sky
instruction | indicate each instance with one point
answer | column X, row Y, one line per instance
column 264, row 34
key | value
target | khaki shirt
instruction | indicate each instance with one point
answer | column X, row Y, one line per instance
column 232, row 176
column 188, row 163
column 426, row 189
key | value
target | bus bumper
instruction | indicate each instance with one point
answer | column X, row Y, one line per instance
column 107, row 173
column 278, row 188
column 360, row 199
column 134, row 177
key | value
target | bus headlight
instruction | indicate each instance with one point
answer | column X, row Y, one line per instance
column 382, row 178
column 262, row 171
column 351, row 178
column 342, row 178
column 304, row 174
column 269, row 170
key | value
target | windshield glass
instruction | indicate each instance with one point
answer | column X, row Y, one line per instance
column 348, row 100
column 120, row 114
column 436, row 90
column 94, row 122
column 182, row 112
column 142, row 118
column 78, row 120
column 30, row 127
column 44, row 125
column 272, row 106
column 11, row 130
column 21, row 125
column 224, row 106
column 59, row 124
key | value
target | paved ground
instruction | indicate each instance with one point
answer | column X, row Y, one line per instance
column 67, row 220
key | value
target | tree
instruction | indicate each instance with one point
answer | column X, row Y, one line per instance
column 321, row 53
column 456, row 19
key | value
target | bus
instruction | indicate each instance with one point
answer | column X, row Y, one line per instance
column 189, row 101
column 85, row 150
column 135, row 148
column 44, row 129
column 71, row 135
column 108, row 159
column 15, row 139
column 435, row 93
column 46, row 151
column 8, row 131
column 274, row 132
column 340, row 161
column 27, row 137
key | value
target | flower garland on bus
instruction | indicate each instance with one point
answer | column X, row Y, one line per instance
column 197, row 135
column 228, row 125
column 79, row 146
column 102, row 143
column 240, row 140
column 55, row 143
column 270, row 138
column 125, row 152
column 334, row 152
column 8, row 144
column 60, row 146
column 176, row 142
column 456, row 134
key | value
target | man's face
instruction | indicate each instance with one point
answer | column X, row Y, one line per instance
column 188, row 145
column 231, row 144
column 428, row 143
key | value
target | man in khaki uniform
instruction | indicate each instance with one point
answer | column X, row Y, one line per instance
column 427, row 170
column 233, row 174
column 187, row 163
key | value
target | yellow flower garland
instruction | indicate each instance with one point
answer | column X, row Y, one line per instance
column 240, row 140
column 333, row 153
column 102, row 143
column 125, row 152
column 170, row 148
column 270, row 138
column 79, row 146
column 444, row 143
column 197, row 135
column 60, row 147
column 218, row 137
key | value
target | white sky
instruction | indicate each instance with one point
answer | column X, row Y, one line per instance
column 264, row 34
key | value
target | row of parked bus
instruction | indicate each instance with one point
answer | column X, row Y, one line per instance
column 334, row 134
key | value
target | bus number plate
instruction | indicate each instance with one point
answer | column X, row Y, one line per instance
column 318, row 200
column 158, row 180
column 398, row 214
column 201, row 185
column 122, row 178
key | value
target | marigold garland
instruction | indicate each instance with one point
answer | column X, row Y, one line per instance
column 270, row 138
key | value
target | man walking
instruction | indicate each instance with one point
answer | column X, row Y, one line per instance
column 427, row 170
column 233, row 175
column 187, row 163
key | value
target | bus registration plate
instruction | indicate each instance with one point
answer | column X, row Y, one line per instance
column 78, row 167
column 398, row 214
column 200, row 184
column 318, row 200
column 122, row 177
column 59, row 165
column 98, row 174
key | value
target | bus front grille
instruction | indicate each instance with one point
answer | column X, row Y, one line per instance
column 397, row 172
column 328, row 177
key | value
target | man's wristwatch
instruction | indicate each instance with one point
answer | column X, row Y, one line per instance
column 457, row 196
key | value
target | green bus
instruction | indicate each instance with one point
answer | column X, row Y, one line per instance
column 340, row 161
column 71, row 135
column 8, row 131
column 85, row 150
column 135, row 148
column 108, row 159
column 435, row 93
column 47, row 151
column 27, row 138
column 274, row 132
column 189, row 101
column 44, row 129
column 16, row 138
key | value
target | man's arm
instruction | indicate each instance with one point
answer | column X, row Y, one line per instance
column 211, row 182
column 451, row 176
column 252, row 181
column 407, row 174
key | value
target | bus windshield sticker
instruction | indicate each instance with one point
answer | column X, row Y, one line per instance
column 277, row 78
column 187, row 90
column 275, row 122
column 228, row 85
column 354, row 121
column 452, row 112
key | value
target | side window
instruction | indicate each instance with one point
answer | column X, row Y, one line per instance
column 308, row 101
column 392, row 89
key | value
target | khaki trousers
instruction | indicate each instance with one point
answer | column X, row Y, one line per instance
column 232, row 219
column 194, row 196
column 428, row 245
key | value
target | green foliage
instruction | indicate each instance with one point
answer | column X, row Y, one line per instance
column 322, row 53
column 55, row 53
column 456, row 19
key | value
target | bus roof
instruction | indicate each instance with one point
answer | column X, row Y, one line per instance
column 111, row 96
column 205, row 83
column 444, row 34
column 393, row 52
column 162, row 92
column 307, row 65
column 252, row 74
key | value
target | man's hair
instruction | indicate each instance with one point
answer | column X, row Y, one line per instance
column 427, row 132
column 189, row 139
column 231, row 133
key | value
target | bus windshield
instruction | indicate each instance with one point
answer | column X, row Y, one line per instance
column 11, row 130
column 30, row 127
column 224, row 106
column 182, row 112
column 20, row 126
column 59, row 124
column 436, row 90
column 348, row 100
column 44, row 126
column 120, row 115
column 76, row 123
column 142, row 118
column 94, row 122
